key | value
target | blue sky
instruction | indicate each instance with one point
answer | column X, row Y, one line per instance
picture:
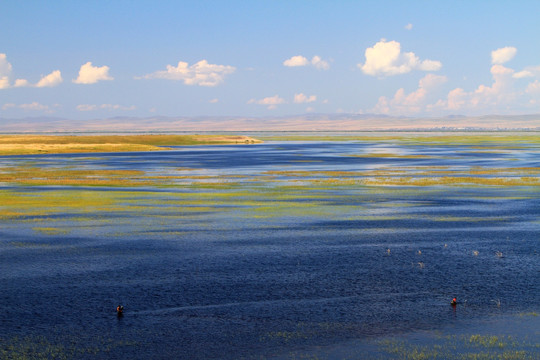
column 95, row 59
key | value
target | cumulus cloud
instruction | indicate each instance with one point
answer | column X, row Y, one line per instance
column 505, row 93
column 499, row 93
column 89, row 74
column 301, row 98
column 271, row 102
column 456, row 99
column 319, row 63
column 89, row 107
column 300, row 60
column 5, row 66
column 533, row 88
column 409, row 26
column 529, row 71
column 413, row 102
column 4, row 82
column 21, row 83
column 523, row 74
column 297, row 60
column 201, row 73
column 386, row 59
column 5, row 71
column 50, row 80
column 53, row 79
column 503, row 55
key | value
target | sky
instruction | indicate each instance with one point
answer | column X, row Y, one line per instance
column 99, row 59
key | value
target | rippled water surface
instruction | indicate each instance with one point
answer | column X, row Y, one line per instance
column 264, row 251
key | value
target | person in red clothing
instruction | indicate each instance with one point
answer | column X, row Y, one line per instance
column 454, row 302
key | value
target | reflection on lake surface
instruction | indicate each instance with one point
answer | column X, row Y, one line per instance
column 272, row 250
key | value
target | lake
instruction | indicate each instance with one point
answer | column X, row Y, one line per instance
column 286, row 249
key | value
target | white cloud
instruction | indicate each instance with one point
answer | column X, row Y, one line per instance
column 297, row 60
column 89, row 107
column 529, row 71
column 500, row 93
column 201, row 73
column 8, row 106
column 213, row 101
column 523, row 74
column 5, row 66
column 89, row 74
column 5, row 71
column 409, row 26
column 413, row 102
column 533, row 88
column 385, row 59
column 33, row 106
column 320, row 63
column 21, row 83
column 300, row 60
column 4, row 82
column 430, row 65
column 53, row 79
column 431, row 81
column 456, row 99
column 271, row 102
column 301, row 98
column 503, row 55
column 50, row 80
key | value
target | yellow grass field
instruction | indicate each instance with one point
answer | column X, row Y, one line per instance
column 53, row 144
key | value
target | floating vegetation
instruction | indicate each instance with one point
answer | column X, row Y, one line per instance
column 394, row 156
column 39, row 347
column 28, row 244
column 50, row 231
column 452, row 181
column 496, row 140
column 463, row 347
column 416, row 176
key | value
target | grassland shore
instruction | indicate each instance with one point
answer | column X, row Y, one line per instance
column 58, row 144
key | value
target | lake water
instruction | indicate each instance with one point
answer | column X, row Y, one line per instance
column 267, row 251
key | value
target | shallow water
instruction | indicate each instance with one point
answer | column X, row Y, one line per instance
column 270, row 266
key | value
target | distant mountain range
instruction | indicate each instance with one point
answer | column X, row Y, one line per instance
column 306, row 122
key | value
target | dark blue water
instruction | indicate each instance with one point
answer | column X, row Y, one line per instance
column 220, row 283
